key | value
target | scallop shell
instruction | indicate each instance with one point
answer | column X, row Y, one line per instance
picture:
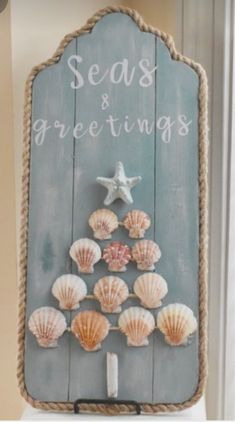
column 177, row 323
column 146, row 253
column 136, row 323
column 117, row 255
column 111, row 292
column 47, row 324
column 150, row 289
column 91, row 328
column 69, row 289
column 137, row 222
column 85, row 252
column 103, row 222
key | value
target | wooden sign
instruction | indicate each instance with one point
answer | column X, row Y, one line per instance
column 115, row 91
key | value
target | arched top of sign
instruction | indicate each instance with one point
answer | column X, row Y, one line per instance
column 92, row 25
column 138, row 70
column 125, row 107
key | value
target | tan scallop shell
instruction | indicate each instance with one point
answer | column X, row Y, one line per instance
column 47, row 324
column 111, row 292
column 146, row 253
column 137, row 222
column 103, row 222
column 85, row 252
column 91, row 328
column 136, row 323
column 69, row 289
column 177, row 323
column 150, row 288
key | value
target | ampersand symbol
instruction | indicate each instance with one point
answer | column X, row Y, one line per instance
column 184, row 125
column 105, row 101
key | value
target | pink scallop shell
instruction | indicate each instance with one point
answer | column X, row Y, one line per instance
column 117, row 255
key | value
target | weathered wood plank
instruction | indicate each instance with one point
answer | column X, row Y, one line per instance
column 50, row 225
column 115, row 37
column 64, row 192
column 176, row 208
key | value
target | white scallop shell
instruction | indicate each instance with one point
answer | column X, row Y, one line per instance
column 137, row 222
column 103, row 222
column 85, row 252
column 69, row 289
column 47, row 324
column 111, row 292
column 177, row 323
column 136, row 323
column 90, row 328
column 150, row 288
column 146, row 253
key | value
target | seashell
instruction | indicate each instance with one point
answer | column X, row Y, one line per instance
column 150, row 288
column 117, row 255
column 47, row 324
column 111, row 292
column 69, row 289
column 91, row 328
column 85, row 252
column 137, row 222
column 146, row 253
column 136, row 323
column 103, row 222
column 177, row 323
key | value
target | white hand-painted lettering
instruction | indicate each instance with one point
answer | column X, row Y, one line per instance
column 119, row 72
column 63, row 130
column 79, row 79
column 104, row 101
column 184, row 125
column 40, row 127
column 165, row 124
column 114, row 127
column 147, row 78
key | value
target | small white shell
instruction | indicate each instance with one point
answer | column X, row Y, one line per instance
column 137, row 222
column 91, row 328
column 146, row 253
column 111, row 291
column 136, row 323
column 69, row 289
column 177, row 323
column 85, row 252
column 103, row 222
column 150, row 288
column 47, row 324
column 112, row 374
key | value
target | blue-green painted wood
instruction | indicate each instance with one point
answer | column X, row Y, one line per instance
column 50, row 225
column 63, row 193
column 176, row 207
column 97, row 157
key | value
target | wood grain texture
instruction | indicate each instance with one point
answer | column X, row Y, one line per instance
column 176, row 231
column 50, row 225
column 63, row 193
column 97, row 157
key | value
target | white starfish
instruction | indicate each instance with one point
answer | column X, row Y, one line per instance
column 119, row 186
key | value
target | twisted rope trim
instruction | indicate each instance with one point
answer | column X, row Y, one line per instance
column 114, row 409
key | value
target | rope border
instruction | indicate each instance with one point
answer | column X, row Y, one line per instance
column 114, row 409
